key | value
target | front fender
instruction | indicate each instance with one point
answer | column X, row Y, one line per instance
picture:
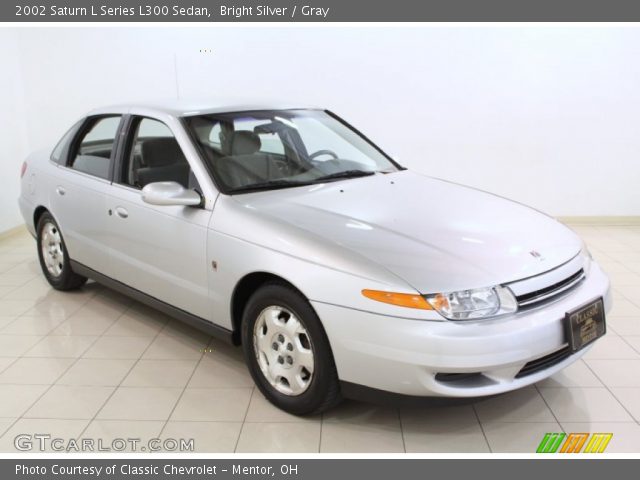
column 235, row 258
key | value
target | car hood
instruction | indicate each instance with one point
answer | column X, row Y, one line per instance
column 435, row 235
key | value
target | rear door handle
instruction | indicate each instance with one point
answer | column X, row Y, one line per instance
column 121, row 212
column 60, row 191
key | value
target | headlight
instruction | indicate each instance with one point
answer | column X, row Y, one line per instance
column 473, row 304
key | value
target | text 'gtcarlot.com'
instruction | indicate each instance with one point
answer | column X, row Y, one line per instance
column 44, row 443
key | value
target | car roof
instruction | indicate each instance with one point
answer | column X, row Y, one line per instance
column 181, row 108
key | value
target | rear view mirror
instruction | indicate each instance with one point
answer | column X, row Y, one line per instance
column 170, row 194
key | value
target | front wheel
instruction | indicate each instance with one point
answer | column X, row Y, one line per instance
column 53, row 255
column 288, row 352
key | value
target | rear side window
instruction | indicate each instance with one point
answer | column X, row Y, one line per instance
column 61, row 151
column 95, row 147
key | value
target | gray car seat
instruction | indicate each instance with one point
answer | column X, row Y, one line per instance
column 164, row 162
column 246, row 164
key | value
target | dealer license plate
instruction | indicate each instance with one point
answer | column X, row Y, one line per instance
column 585, row 324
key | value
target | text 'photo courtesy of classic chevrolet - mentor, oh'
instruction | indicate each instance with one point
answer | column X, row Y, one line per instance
column 283, row 229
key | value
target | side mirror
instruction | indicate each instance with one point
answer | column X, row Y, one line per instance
column 170, row 194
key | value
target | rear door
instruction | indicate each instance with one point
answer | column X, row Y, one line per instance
column 78, row 199
column 158, row 250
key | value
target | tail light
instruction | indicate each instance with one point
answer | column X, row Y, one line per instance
column 23, row 170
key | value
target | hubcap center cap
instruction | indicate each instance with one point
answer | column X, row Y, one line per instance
column 283, row 350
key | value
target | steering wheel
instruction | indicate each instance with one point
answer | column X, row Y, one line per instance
column 323, row 152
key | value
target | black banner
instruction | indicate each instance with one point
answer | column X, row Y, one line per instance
column 318, row 469
column 319, row 11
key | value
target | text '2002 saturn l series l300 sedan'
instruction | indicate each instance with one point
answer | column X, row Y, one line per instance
column 341, row 273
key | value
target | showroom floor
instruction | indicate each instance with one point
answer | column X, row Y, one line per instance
column 94, row 364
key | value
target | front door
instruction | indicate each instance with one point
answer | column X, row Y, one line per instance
column 158, row 250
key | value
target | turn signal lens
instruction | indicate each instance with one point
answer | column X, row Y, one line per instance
column 23, row 169
column 408, row 300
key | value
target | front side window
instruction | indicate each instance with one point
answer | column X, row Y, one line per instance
column 154, row 155
column 95, row 147
column 248, row 151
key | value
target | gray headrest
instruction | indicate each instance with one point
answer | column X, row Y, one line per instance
column 244, row 142
column 162, row 151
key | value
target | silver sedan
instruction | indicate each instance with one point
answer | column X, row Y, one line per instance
column 286, row 230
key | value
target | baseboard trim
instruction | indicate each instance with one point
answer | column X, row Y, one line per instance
column 602, row 220
column 12, row 232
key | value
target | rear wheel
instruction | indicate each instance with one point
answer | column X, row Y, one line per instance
column 288, row 352
column 53, row 255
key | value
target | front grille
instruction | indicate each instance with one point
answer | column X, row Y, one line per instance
column 531, row 298
column 544, row 362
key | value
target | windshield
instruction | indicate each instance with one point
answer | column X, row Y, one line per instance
column 261, row 150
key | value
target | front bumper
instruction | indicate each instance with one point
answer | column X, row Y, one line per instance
column 404, row 356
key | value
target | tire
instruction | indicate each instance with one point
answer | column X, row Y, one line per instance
column 279, row 316
column 54, row 257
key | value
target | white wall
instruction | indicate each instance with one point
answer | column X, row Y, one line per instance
column 549, row 116
column 13, row 141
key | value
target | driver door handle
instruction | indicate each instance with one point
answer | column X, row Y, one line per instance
column 121, row 212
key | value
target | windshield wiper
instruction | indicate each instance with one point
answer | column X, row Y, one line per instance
column 344, row 174
column 284, row 183
column 270, row 185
